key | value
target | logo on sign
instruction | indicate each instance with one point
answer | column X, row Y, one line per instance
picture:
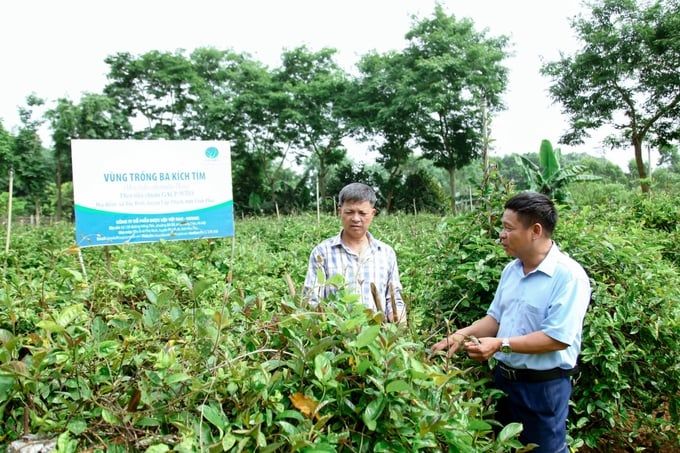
column 212, row 152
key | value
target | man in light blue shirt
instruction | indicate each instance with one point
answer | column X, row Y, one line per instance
column 357, row 256
column 533, row 326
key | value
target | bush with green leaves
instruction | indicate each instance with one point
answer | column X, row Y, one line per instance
column 631, row 372
column 188, row 344
column 161, row 346
column 628, row 387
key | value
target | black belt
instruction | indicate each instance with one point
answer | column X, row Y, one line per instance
column 526, row 375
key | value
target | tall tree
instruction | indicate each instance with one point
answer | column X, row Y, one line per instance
column 96, row 117
column 669, row 155
column 458, row 77
column 63, row 118
column 383, row 106
column 239, row 101
column 155, row 87
column 31, row 166
column 626, row 75
column 314, row 114
column 6, row 156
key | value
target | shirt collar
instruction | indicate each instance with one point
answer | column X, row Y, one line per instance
column 549, row 263
column 547, row 266
column 336, row 241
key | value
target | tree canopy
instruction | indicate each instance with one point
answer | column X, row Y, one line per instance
column 625, row 76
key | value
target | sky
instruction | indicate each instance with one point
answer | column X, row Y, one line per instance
column 56, row 48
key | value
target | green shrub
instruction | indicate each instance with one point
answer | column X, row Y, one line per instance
column 631, row 331
column 629, row 351
column 160, row 347
column 660, row 211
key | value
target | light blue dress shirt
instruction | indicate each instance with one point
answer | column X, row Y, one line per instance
column 377, row 264
column 552, row 299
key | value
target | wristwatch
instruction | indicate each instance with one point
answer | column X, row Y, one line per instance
column 505, row 346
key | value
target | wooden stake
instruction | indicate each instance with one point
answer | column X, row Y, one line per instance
column 82, row 264
column 318, row 203
column 9, row 210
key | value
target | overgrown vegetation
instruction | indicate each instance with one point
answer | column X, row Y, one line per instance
column 171, row 346
column 627, row 392
column 183, row 345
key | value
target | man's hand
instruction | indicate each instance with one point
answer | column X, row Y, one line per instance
column 483, row 350
column 450, row 344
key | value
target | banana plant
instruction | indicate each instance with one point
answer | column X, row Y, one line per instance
column 550, row 178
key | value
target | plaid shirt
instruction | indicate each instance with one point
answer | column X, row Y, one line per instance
column 377, row 264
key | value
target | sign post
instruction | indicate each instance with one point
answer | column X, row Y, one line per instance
column 130, row 191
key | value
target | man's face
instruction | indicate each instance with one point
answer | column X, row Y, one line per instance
column 515, row 237
column 356, row 218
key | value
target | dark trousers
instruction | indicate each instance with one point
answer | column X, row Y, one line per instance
column 541, row 407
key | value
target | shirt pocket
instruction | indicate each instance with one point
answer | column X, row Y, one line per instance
column 531, row 318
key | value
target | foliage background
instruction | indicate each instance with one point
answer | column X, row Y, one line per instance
column 181, row 326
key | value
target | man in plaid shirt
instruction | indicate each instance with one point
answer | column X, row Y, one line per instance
column 355, row 254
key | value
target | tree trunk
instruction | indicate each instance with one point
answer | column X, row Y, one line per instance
column 390, row 200
column 642, row 171
column 485, row 138
column 37, row 211
column 452, row 187
column 322, row 179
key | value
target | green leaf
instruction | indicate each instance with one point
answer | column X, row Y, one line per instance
column 364, row 365
column 290, row 414
column 69, row 314
column 397, row 386
column 184, row 278
column 372, row 413
column 6, row 386
column 109, row 417
column 50, row 326
column 200, row 286
column 148, row 421
column 215, row 416
column 321, row 346
column 77, row 276
column 77, row 426
column 151, row 295
column 99, row 328
column 106, row 348
column 158, row 448
column 548, row 159
column 150, row 317
column 65, row 444
column 320, row 448
column 177, row 377
column 476, row 424
column 287, row 428
column 509, row 431
column 320, row 277
column 323, row 368
column 228, row 441
column 336, row 280
column 367, row 335
column 5, row 336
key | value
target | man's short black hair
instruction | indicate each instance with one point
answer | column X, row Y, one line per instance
column 533, row 207
column 357, row 192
